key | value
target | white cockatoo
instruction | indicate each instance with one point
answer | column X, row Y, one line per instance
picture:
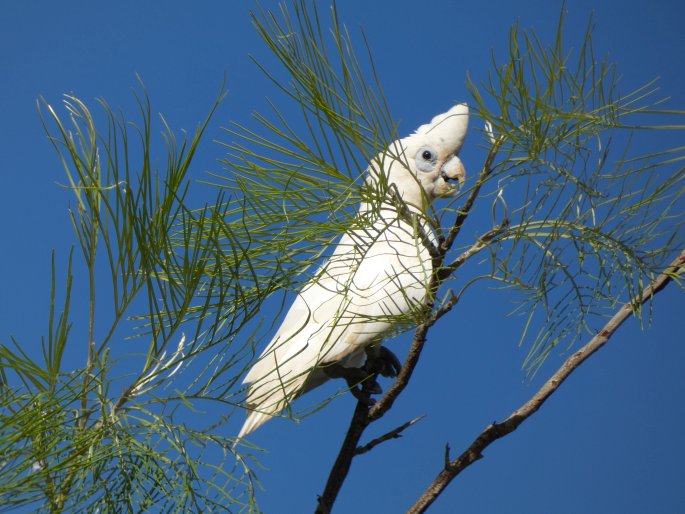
column 377, row 276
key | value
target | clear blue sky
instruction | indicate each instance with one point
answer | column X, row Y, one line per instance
column 609, row 441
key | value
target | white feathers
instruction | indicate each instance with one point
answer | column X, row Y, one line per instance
column 376, row 277
column 447, row 129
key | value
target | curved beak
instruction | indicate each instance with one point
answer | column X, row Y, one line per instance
column 453, row 169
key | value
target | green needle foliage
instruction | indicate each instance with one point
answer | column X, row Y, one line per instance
column 299, row 177
column 590, row 223
column 100, row 437
column 571, row 221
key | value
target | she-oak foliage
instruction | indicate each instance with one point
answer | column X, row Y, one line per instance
column 573, row 224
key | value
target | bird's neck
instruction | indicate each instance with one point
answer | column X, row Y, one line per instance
column 389, row 217
column 396, row 202
column 392, row 209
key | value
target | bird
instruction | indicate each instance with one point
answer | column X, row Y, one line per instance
column 376, row 278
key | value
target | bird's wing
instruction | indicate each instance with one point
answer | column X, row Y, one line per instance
column 389, row 283
column 354, row 299
column 312, row 322
column 314, row 307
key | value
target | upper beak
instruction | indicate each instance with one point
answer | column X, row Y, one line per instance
column 453, row 169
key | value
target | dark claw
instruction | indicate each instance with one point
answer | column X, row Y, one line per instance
column 392, row 363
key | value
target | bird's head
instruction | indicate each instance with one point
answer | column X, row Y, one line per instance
column 425, row 165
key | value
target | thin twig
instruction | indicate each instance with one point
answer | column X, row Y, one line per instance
column 393, row 434
column 483, row 241
column 466, row 209
column 498, row 430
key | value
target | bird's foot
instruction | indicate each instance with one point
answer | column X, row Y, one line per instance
column 362, row 381
column 381, row 361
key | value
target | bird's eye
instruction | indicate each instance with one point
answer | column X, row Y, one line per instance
column 426, row 159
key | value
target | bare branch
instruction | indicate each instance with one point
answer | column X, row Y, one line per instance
column 498, row 430
column 393, row 434
column 360, row 421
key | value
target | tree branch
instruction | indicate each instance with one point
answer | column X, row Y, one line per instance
column 360, row 421
column 363, row 416
column 498, row 430
column 420, row 336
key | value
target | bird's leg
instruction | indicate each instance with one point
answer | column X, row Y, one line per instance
column 361, row 383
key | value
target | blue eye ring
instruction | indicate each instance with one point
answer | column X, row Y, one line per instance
column 425, row 159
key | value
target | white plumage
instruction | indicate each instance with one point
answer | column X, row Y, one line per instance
column 376, row 277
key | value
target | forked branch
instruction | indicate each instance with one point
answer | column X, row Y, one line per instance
column 363, row 416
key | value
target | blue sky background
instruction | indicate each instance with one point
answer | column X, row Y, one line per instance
column 608, row 441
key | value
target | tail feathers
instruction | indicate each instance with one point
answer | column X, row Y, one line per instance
column 255, row 419
column 269, row 395
column 266, row 400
